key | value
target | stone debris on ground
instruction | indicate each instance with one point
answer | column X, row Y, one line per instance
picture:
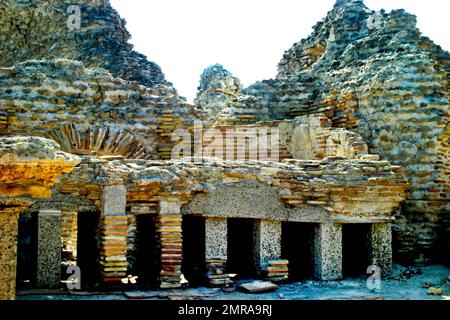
column 434, row 291
column 258, row 286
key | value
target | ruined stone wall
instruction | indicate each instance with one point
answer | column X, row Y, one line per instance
column 41, row 29
column 309, row 137
column 274, row 99
column 372, row 73
column 88, row 111
column 394, row 92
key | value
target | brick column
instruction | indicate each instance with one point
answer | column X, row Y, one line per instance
column 328, row 251
column 8, row 254
column 171, row 242
column 114, row 232
column 380, row 241
column 49, row 249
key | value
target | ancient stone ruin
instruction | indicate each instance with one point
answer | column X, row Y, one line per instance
column 339, row 163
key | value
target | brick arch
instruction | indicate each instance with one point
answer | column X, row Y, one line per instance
column 99, row 141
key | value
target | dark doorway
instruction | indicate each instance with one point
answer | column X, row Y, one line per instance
column 27, row 251
column 147, row 265
column 240, row 248
column 440, row 250
column 194, row 268
column 297, row 245
column 355, row 249
column 87, row 249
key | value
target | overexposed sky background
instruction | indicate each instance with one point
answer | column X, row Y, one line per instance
column 248, row 37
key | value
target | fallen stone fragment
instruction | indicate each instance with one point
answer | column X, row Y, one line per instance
column 141, row 295
column 258, row 286
column 434, row 291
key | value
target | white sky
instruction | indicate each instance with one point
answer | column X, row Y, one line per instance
column 248, row 37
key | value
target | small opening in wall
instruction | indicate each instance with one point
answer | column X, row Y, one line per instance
column 440, row 252
column 87, row 248
column 240, row 248
column 355, row 250
column 27, row 251
column 297, row 247
column 147, row 266
column 194, row 268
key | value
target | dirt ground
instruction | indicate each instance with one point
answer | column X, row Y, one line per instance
column 405, row 284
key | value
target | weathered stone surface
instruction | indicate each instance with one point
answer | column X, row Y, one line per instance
column 216, row 242
column 328, row 251
column 49, row 249
column 40, row 29
column 29, row 166
column 267, row 241
column 356, row 101
column 114, row 200
column 217, row 87
column 298, row 190
column 88, row 111
column 8, row 251
column 380, row 241
column 372, row 73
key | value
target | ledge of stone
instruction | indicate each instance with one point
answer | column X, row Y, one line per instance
column 29, row 166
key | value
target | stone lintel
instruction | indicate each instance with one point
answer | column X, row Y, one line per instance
column 114, row 200
column 170, row 206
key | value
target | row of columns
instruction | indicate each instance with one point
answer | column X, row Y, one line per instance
column 49, row 250
column 267, row 244
column 114, row 229
column 327, row 245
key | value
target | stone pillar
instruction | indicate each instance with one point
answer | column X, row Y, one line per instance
column 114, row 232
column 49, row 249
column 8, row 254
column 216, row 239
column 171, row 242
column 267, row 241
column 380, row 241
column 328, row 251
